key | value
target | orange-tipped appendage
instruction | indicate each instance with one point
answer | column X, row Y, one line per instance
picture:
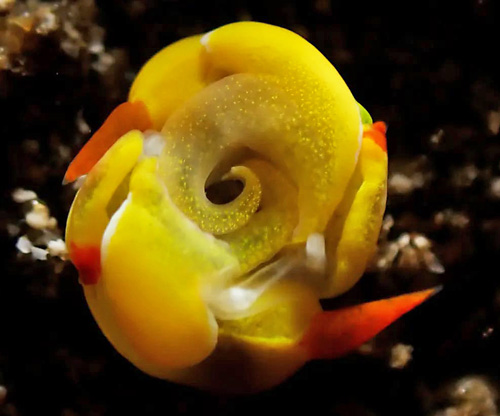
column 87, row 260
column 124, row 118
column 332, row 334
column 376, row 132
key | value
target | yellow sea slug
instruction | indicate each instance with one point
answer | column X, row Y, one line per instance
column 239, row 184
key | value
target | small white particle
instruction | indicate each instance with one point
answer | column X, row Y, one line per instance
column 39, row 217
column 39, row 253
column 400, row 184
column 154, row 143
column 421, row 242
column 437, row 137
column 24, row 245
column 403, row 240
column 401, row 355
column 432, row 262
column 57, row 248
column 315, row 251
column 21, row 195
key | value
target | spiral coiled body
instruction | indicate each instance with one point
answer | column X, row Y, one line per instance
column 183, row 279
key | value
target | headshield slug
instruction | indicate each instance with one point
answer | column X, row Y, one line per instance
column 239, row 184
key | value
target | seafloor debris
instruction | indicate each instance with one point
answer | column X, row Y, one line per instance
column 494, row 121
column 39, row 217
column 3, row 394
column 495, row 187
column 21, row 195
column 485, row 100
column 384, row 347
column 406, row 176
column 401, row 355
column 6, row 5
column 471, row 396
column 25, row 246
column 408, row 251
column 43, row 238
column 437, row 138
column 402, row 184
column 69, row 23
column 464, row 176
column 452, row 218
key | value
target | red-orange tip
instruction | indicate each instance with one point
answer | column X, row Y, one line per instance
column 332, row 334
column 87, row 260
column 124, row 118
column 380, row 126
column 376, row 132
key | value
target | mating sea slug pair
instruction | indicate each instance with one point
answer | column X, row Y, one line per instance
column 223, row 292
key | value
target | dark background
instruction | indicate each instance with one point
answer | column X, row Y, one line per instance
column 423, row 67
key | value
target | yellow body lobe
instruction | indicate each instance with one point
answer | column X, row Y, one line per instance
column 165, row 274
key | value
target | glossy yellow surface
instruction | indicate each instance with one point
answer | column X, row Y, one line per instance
column 218, row 295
